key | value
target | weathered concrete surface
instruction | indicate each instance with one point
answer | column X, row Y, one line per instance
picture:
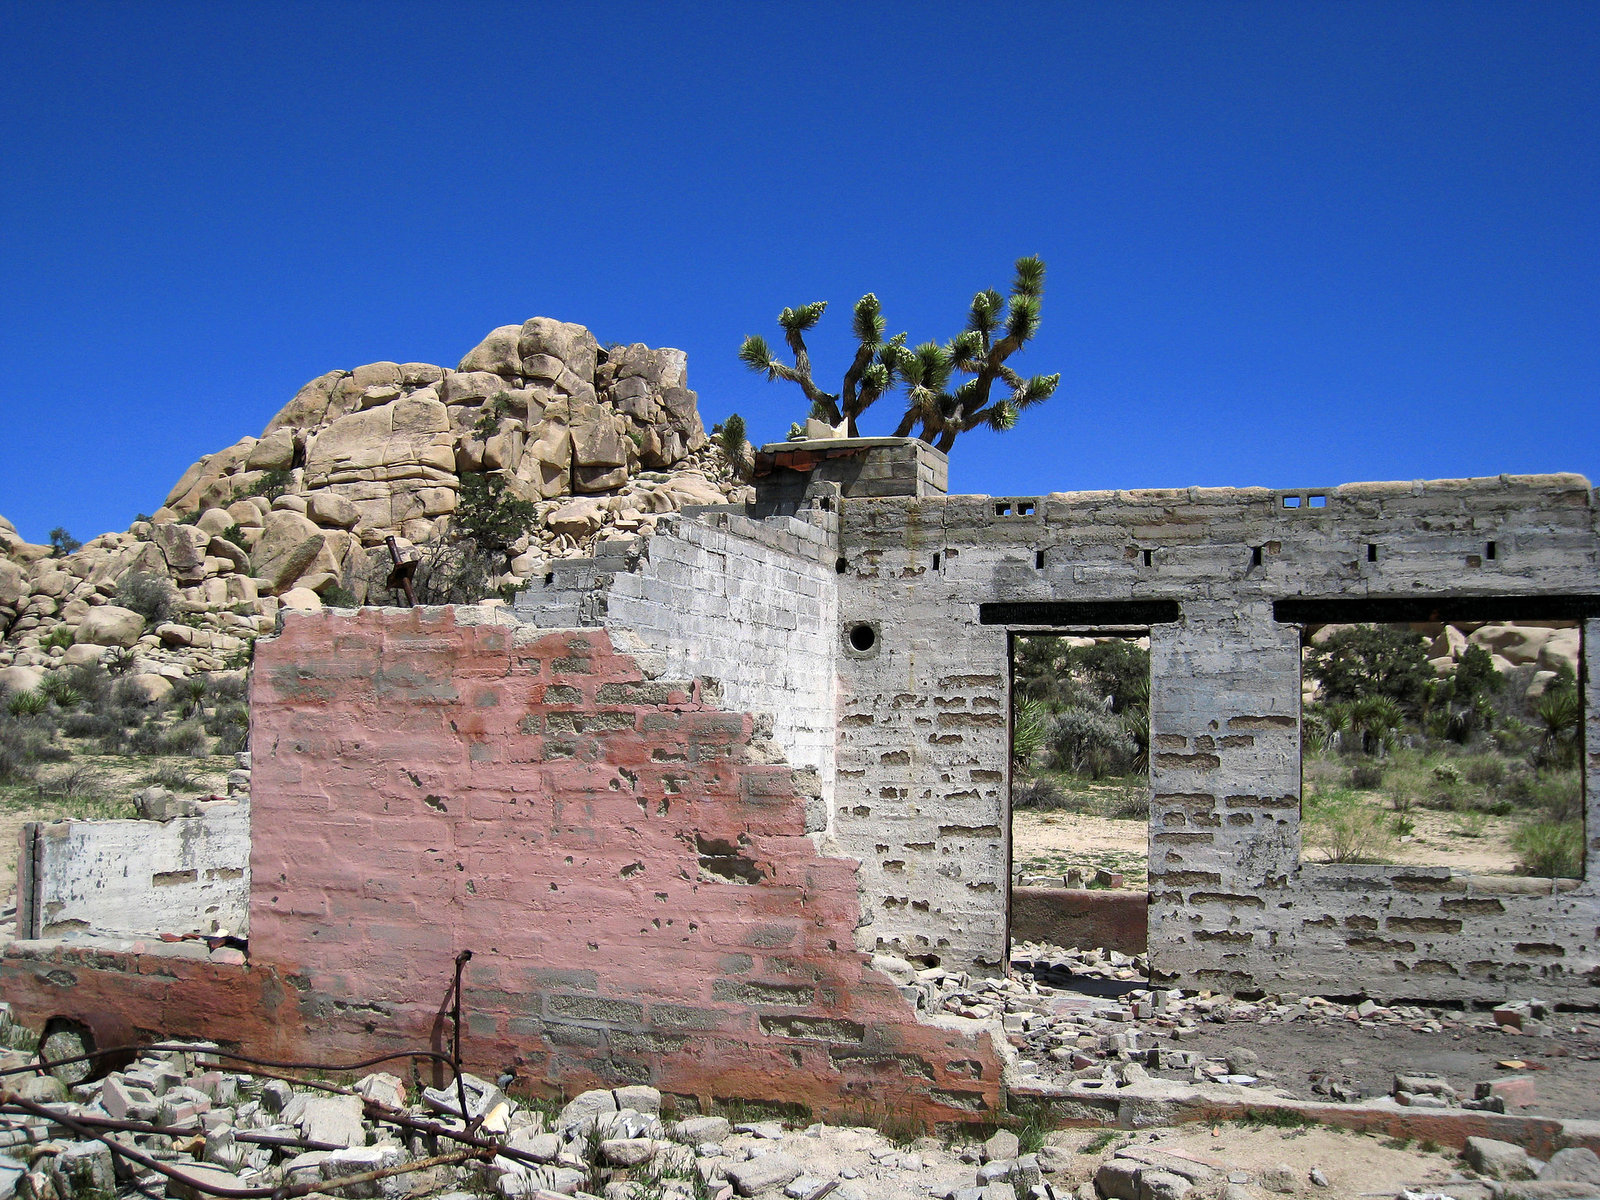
column 921, row 787
column 751, row 603
column 1110, row 919
column 136, row 878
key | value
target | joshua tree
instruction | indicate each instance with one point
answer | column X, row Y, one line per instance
column 995, row 331
column 871, row 373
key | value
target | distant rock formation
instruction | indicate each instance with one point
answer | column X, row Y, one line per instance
column 600, row 439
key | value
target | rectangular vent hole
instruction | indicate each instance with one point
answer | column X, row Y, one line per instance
column 935, row 560
column 1319, row 502
column 1024, row 509
column 1147, row 554
column 1038, row 560
column 1291, row 501
column 1255, row 556
column 1491, row 551
column 1002, row 510
column 1372, row 552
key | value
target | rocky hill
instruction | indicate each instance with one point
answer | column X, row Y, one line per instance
column 598, row 440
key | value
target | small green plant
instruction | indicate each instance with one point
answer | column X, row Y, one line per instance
column 28, row 704
column 1276, row 1118
column 489, row 515
column 1030, row 732
column 1368, row 776
column 1401, row 825
column 336, row 595
column 1346, row 830
column 59, row 636
column 1100, row 1141
column 63, row 543
column 1470, row 823
column 62, row 694
column 490, row 416
column 729, row 435
column 235, row 534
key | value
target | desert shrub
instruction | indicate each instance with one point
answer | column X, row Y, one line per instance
column 151, row 596
column 63, row 543
column 1350, row 832
column 230, row 725
column 1093, row 743
column 186, row 738
column 89, row 724
column 1560, row 712
column 269, row 485
column 336, row 595
column 1042, row 794
column 1550, row 849
column 227, row 689
column 489, row 515
column 1486, row 771
column 1367, row 776
column 457, row 573
column 188, row 697
column 1128, row 803
column 58, row 687
column 235, row 534
column 1373, row 662
column 28, row 704
column 80, row 781
column 177, row 777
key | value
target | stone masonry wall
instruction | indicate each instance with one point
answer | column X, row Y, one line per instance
column 641, row 895
column 921, row 795
column 750, row 604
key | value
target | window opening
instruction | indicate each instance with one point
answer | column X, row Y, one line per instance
column 1291, row 501
column 1319, row 502
column 1452, row 742
column 1038, row 560
column 1372, row 552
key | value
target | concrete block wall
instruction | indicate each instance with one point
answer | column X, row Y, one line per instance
column 749, row 603
column 788, row 474
column 136, row 878
column 1232, row 905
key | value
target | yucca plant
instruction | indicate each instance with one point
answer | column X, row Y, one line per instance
column 871, row 373
column 997, row 327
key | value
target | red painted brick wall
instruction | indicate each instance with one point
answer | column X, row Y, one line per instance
column 422, row 787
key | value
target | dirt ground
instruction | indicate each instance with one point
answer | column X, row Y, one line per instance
column 1052, row 843
column 1355, row 1165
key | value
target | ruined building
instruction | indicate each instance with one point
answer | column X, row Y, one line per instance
column 705, row 803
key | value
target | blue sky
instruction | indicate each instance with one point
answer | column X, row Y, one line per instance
column 1288, row 244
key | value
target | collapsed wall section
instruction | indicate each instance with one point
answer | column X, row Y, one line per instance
column 752, row 604
column 640, row 893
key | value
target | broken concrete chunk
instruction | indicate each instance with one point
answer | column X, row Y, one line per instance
column 585, row 1107
column 758, row 1174
column 333, row 1120
column 358, row 1160
column 482, row 1096
column 382, row 1088
column 1497, row 1159
column 696, row 1131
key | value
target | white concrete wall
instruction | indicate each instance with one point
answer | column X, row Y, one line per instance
column 136, row 878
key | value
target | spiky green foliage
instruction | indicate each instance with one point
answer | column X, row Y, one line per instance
column 872, row 371
column 996, row 328
column 730, row 438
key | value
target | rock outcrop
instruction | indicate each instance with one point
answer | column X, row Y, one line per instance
column 600, row 440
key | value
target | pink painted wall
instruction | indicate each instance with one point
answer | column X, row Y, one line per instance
column 422, row 787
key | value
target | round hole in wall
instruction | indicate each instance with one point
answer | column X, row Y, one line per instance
column 863, row 637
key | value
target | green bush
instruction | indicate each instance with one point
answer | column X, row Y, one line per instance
column 235, row 534
column 338, row 596
column 186, row 737
column 59, row 636
column 63, row 543
column 1550, row 849
column 1030, row 732
column 1373, row 661
column 151, row 596
column 489, row 515
column 230, row 725
column 1367, row 776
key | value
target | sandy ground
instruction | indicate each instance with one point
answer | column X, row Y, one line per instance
column 1355, row 1165
column 1051, row 843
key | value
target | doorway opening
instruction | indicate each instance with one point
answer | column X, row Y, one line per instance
column 1079, row 829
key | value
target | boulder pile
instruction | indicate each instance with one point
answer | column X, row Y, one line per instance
column 598, row 440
